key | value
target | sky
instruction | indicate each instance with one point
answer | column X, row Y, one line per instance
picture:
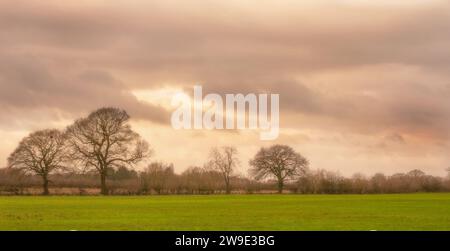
column 364, row 85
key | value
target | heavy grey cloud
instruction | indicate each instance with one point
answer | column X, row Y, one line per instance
column 27, row 83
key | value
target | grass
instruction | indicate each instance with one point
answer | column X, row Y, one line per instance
column 234, row 212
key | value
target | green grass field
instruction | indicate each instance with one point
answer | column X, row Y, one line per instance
column 235, row 212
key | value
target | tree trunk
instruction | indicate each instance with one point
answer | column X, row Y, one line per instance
column 227, row 186
column 45, row 185
column 280, row 186
column 104, row 189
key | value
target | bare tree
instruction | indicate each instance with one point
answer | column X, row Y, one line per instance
column 196, row 179
column 359, row 183
column 280, row 162
column 40, row 153
column 378, row 183
column 224, row 160
column 105, row 140
column 157, row 176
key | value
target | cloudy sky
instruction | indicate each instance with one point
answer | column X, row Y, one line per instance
column 364, row 85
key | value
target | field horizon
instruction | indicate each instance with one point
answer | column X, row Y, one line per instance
column 420, row 211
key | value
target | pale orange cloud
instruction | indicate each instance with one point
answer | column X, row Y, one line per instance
column 364, row 85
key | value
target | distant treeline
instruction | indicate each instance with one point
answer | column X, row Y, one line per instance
column 159, row 178
column 99, row 153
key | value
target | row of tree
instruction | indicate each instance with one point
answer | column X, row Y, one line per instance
column 103, row 147
column 104, row 142
column 160, row 178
